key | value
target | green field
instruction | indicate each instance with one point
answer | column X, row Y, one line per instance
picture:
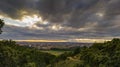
column 54, row 52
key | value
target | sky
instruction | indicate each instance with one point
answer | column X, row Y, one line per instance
column 66, row 20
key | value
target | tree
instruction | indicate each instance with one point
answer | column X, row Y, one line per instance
column 1, row 25
column 76, row 51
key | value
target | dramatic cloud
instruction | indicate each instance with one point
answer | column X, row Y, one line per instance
column 60, row 19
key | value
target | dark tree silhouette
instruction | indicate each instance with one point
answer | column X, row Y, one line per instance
column 1, row 25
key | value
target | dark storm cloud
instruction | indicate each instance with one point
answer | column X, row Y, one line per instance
column 53, row 10
column 99, row 17
column 14, row 32
column 19, row 33
column 12, row 7
column 66, row 10
column 113, row 8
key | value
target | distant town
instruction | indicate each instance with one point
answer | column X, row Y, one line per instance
column 50, row 45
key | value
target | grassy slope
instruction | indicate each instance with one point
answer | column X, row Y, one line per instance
column 54, row 52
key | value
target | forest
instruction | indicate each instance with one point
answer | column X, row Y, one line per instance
column 105, row 54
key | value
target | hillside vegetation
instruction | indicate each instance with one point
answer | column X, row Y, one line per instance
column 105, row 54
column 12, row 55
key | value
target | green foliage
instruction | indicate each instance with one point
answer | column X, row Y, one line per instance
column 76, row 50
column 105, row 54
column 1, row 25
column 102, row 54
column 12, row 55
column 55, row 52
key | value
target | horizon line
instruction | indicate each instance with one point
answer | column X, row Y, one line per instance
column 84, row 40
column 69, row 40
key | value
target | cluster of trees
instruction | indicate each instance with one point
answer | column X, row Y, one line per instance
column 13, row 55
column 105, row 54
column 1, row 25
